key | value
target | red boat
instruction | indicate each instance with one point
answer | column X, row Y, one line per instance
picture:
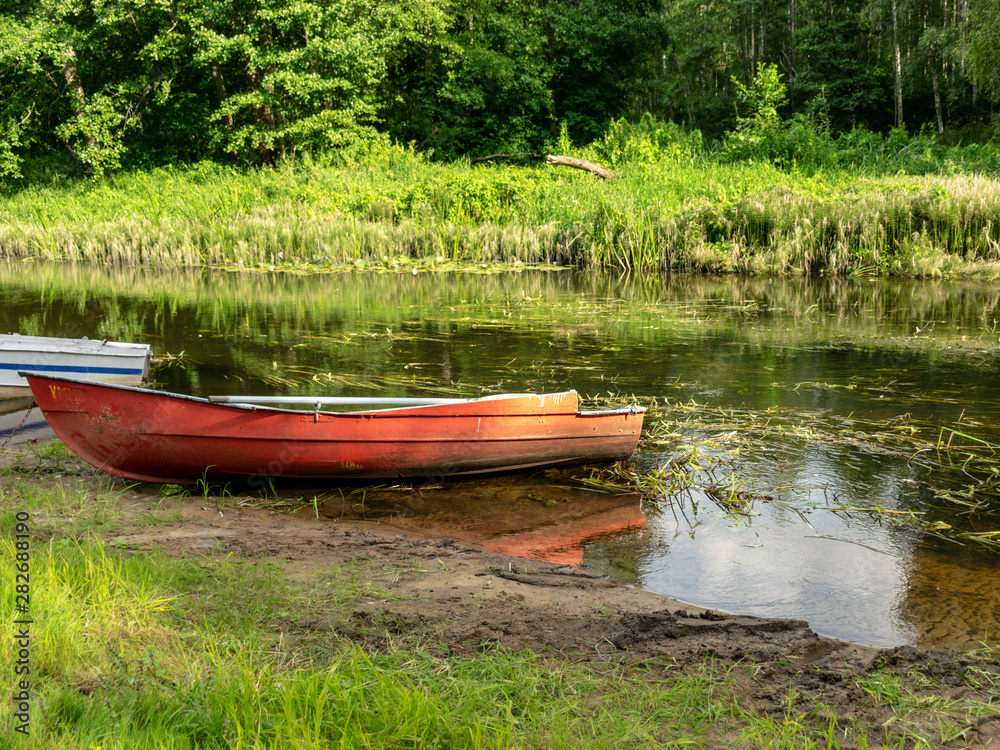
column 153, row 436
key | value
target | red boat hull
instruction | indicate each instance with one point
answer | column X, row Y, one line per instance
column 152, row 436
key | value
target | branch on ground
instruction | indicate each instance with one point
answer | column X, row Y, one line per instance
column 555, row 160
column 587, row 166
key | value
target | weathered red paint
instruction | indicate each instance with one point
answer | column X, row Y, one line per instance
column 152, row 436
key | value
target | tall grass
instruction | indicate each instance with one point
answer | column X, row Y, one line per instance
column 672, row 208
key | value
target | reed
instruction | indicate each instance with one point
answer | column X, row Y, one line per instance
column 684, row 211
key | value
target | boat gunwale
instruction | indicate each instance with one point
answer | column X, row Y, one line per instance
column 16, row 343
column 403, row 410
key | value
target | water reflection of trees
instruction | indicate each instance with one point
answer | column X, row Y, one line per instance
column 832, row 303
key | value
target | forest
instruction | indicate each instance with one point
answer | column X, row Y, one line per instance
column 91, row 87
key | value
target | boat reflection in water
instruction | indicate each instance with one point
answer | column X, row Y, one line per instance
column 521, row 516
column 562, row 538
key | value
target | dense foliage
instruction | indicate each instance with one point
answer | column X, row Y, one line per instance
column 855, row 203
column 90, row 86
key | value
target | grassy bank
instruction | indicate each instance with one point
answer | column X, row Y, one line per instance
column 672, row 207
column 154, row 652
column 148, row 650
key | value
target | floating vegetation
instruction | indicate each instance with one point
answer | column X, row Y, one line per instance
column 694, row 342
column 714, row 451
column 166, row 359
column 672, row 482
column 397, row 264
column 955, row 433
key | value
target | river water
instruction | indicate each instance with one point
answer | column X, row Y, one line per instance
column 828, row 441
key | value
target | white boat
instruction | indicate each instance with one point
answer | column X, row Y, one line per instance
column 89, row 359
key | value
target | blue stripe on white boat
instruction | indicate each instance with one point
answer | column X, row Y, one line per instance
column 71, row 368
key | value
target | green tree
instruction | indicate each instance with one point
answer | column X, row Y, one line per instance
column 599, row 52
column 756, row 134
column 71, row 75
column 803, row 140
column 836, row 57
column 291, row 75
column 257, row 79
column 506, row 76
column 984, row 32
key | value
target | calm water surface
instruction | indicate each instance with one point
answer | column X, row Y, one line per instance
column 802, row 364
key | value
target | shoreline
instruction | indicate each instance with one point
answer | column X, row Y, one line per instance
column 250, row 528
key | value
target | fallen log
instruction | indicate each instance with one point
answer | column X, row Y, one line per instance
column 587, row 166
column 555, row 160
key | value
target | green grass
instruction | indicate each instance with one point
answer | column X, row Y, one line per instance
column 395, row 210
column 71, row 492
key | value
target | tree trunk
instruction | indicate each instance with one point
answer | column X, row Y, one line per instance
column 790, row 53
column 76, row 92
column 937, row 101
column 587, row 166
column 963, row 14
column 763, row 33
column 264, row 115
column 555, row 160
column 220, row 97
column 262, row 118
column 550, row 56
column 897, row 66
